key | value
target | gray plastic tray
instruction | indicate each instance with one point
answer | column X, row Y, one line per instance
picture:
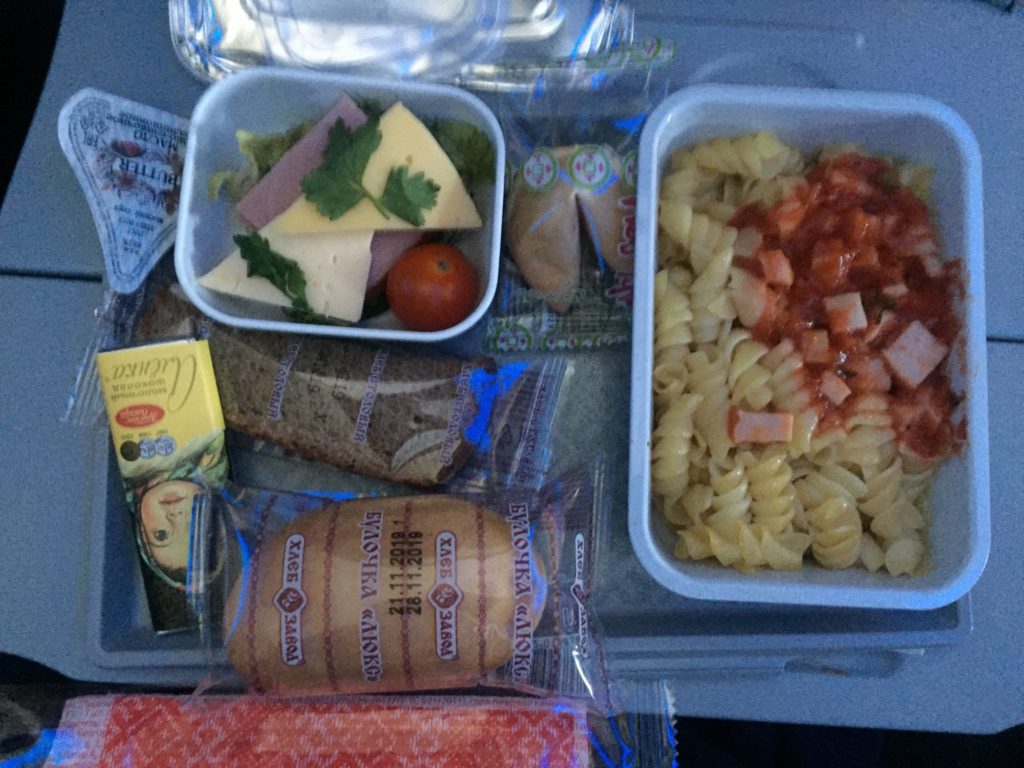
column 942, row 49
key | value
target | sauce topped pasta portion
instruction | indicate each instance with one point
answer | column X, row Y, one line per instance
column 803, row 323
column 850, row 232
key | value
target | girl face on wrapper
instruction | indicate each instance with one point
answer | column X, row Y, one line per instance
column 161, row 497
column 165, row 513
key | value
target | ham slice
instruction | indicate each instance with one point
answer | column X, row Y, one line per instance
column 282, row 186
column 386, row 248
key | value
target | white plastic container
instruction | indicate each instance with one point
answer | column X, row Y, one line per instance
column 270, row 100
column 914, row 127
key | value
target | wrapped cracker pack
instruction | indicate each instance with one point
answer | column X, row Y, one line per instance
column 572, row 132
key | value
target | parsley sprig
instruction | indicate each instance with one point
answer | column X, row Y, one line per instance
column 336, row 186
column 285, row 274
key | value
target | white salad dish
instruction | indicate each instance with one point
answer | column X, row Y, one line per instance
column 914, row 128
column 267, row 100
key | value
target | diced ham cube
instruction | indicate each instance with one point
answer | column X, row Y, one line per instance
column 920, row 242
column 870, row 375
column 845, row 312
column 815, row 348
column 777, row 269
column 928, row 408
column 896, row 290
column 830, row 261
column 748, row 241
column 753, row 299
column 904, row 414
column 789, row 214
column 932, row 265
column 759, row 426
column 861, row 226
column 849, row 181
column 834, row 388
column 914, row 354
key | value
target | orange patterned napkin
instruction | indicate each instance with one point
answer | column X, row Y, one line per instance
column 366, row 732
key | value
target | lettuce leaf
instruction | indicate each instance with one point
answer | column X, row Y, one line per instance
column 470, row 150
column 261, row 152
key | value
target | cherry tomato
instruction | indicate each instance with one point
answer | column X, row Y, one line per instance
column 432, row 287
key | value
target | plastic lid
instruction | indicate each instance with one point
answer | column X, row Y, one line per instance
column 398, row 38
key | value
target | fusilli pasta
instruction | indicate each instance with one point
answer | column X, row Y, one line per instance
column 820, row 472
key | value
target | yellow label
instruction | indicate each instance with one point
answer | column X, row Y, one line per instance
column 168, row 430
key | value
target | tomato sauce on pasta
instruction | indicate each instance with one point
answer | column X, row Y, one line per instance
column 850, row 230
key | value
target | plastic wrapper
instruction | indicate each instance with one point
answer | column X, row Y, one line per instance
column 113, row 322
column 410, row 418
column 146, row 731
column 388, row 417
column 572, row 130
column 168, row 436
column 380, row 594
column 405, row 417
column 128, row 159
column 391, row 39
column 394, row 39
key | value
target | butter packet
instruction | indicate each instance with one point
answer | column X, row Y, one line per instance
column 168, row 431
column 128, row 158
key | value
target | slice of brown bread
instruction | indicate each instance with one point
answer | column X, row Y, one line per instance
column 375, row 411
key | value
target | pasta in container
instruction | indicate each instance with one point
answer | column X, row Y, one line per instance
column 807, row 333
column 795, row 348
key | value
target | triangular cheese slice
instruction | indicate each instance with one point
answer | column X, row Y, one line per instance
column 336, row 265
column 404, row 140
